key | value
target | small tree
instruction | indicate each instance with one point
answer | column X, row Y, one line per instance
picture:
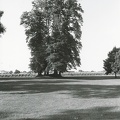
column 11, row 72
column 17, row 72
column 116, row 65
column 111, row 64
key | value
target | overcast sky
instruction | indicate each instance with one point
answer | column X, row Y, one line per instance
column 101, row 32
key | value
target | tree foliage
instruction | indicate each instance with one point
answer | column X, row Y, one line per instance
column 117, row 58
column 35, row 32
column 17, row 72
column 2, row 29
column 116, row 65
column 110, row 64
column 53, row 30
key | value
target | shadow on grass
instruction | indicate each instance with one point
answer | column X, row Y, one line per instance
column 81, row 77
column 78, row 77
column 4, row 115
column 97, row 113
column 97, row 77
column 76, row 90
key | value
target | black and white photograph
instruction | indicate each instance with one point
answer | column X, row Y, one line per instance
column 59, row 59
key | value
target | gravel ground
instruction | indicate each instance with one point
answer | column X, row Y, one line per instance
column 60, row 99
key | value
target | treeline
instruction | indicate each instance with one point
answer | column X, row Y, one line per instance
column 53, row 30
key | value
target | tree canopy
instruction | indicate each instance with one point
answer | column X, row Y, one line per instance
column 53, row 30
column 111, row 63
column 2, row 29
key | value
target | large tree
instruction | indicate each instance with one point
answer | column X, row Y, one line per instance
column 58, row 23
column 66, row 33
column 36, row 34
column 2, row 29
column 110, row 64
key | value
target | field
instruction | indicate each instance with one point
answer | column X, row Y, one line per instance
column 69, row 98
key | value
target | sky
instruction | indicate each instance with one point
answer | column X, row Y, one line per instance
column 100, row 33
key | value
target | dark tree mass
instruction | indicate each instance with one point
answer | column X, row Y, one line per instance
column 2, row 29
column 53, row 30
column 110, row 63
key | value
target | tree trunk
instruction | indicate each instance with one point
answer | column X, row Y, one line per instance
column 115, row 75
column 39, row 73
column 47, row 72
column 55, row 72
column 59, row 73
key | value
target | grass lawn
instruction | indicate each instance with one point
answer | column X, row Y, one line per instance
column 75, row 98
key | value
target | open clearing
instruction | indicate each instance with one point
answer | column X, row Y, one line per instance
column 60, row 99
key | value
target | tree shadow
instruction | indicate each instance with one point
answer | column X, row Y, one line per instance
column 76, row 90
column 64, row 77
column 4, row 115
column 87, row 77
column 95, row 91
column 97, row 113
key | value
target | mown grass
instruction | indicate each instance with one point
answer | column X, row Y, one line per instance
column 75, row 98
